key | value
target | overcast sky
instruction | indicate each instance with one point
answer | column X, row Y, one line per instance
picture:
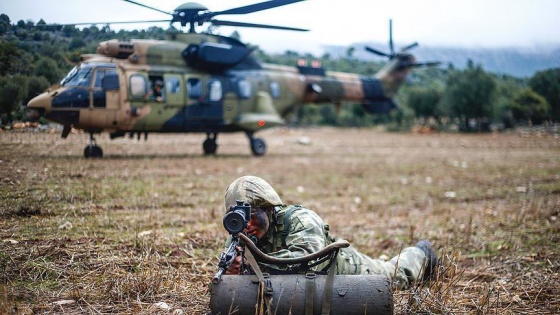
column 464, row 23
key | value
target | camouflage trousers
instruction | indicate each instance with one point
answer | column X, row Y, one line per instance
column 403, row 269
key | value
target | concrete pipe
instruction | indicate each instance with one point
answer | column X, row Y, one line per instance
column 351, row 294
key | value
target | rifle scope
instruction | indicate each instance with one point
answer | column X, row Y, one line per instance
column 237, row 217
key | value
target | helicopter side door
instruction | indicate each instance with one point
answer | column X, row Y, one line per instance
column 204, row 111
column 239, row 97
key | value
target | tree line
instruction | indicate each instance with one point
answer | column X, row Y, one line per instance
column 34, row 56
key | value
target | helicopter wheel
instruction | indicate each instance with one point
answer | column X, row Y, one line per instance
column 258, row 146
column 93, row 152
column 210, row 146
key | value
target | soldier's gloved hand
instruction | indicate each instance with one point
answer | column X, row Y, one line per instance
column 235, row 267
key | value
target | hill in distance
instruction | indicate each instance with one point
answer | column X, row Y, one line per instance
column 517, row 62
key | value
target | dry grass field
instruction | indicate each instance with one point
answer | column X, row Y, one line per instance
column 139, row 231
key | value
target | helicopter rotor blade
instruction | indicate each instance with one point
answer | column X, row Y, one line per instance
column 95, row 23
column 189, row 13
column 255, row 7
column 425, row 64
column 377, row 52
column 432, row 63
column 409, row 47
column 243, row 24
column 148, row 7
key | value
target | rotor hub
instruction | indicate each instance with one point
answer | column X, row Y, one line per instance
column 188, row 13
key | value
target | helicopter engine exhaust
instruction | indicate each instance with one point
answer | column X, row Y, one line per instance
column 115, row 48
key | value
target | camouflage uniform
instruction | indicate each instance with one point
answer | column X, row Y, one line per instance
column 307, row 233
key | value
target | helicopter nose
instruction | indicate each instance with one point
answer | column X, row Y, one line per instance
column 39, row 106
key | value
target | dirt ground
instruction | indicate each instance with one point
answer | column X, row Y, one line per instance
column 139, row 231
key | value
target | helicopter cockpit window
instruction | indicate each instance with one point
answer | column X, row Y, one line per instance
column 78, row 77
column 138, row 86
column 214, row 90
column 275, row 90
column 100, row 74
column 194, row 86
column 245, row 90
column 69, row 76
column 98, row 91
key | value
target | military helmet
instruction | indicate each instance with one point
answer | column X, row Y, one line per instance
column 254, row 190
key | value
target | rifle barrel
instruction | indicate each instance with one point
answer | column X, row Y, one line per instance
column 218, row 276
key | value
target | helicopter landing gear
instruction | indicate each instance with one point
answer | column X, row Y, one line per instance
column 210, row 146
column 92, row 150
column 258, row 146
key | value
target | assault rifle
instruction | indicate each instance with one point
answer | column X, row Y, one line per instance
column 235, row 221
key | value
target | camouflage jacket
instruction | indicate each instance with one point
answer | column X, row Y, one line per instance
column 306, row 234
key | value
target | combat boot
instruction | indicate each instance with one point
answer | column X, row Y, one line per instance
column 432, row 261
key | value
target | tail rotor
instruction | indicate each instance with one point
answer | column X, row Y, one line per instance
column 406, row 59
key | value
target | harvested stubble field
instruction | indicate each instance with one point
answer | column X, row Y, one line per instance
column 142, row 226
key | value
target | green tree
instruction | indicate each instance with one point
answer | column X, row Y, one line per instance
column 12, row 92
column 51, row 50
column 9, row 54
column 507, row 87
column 92, row 31
column 307, row 114
column 47, row 68
column 547, row 84
column 469, row 96
column 424, row 101
column 35, row 86
column 69, row 30
column 76, row 42
column 328, row 114
column 529, row 106
column 5, row 24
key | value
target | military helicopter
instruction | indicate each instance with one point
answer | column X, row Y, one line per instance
column 210, row 84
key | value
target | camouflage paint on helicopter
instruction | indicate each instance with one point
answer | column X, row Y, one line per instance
column 211, row 84
column 199, row 96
